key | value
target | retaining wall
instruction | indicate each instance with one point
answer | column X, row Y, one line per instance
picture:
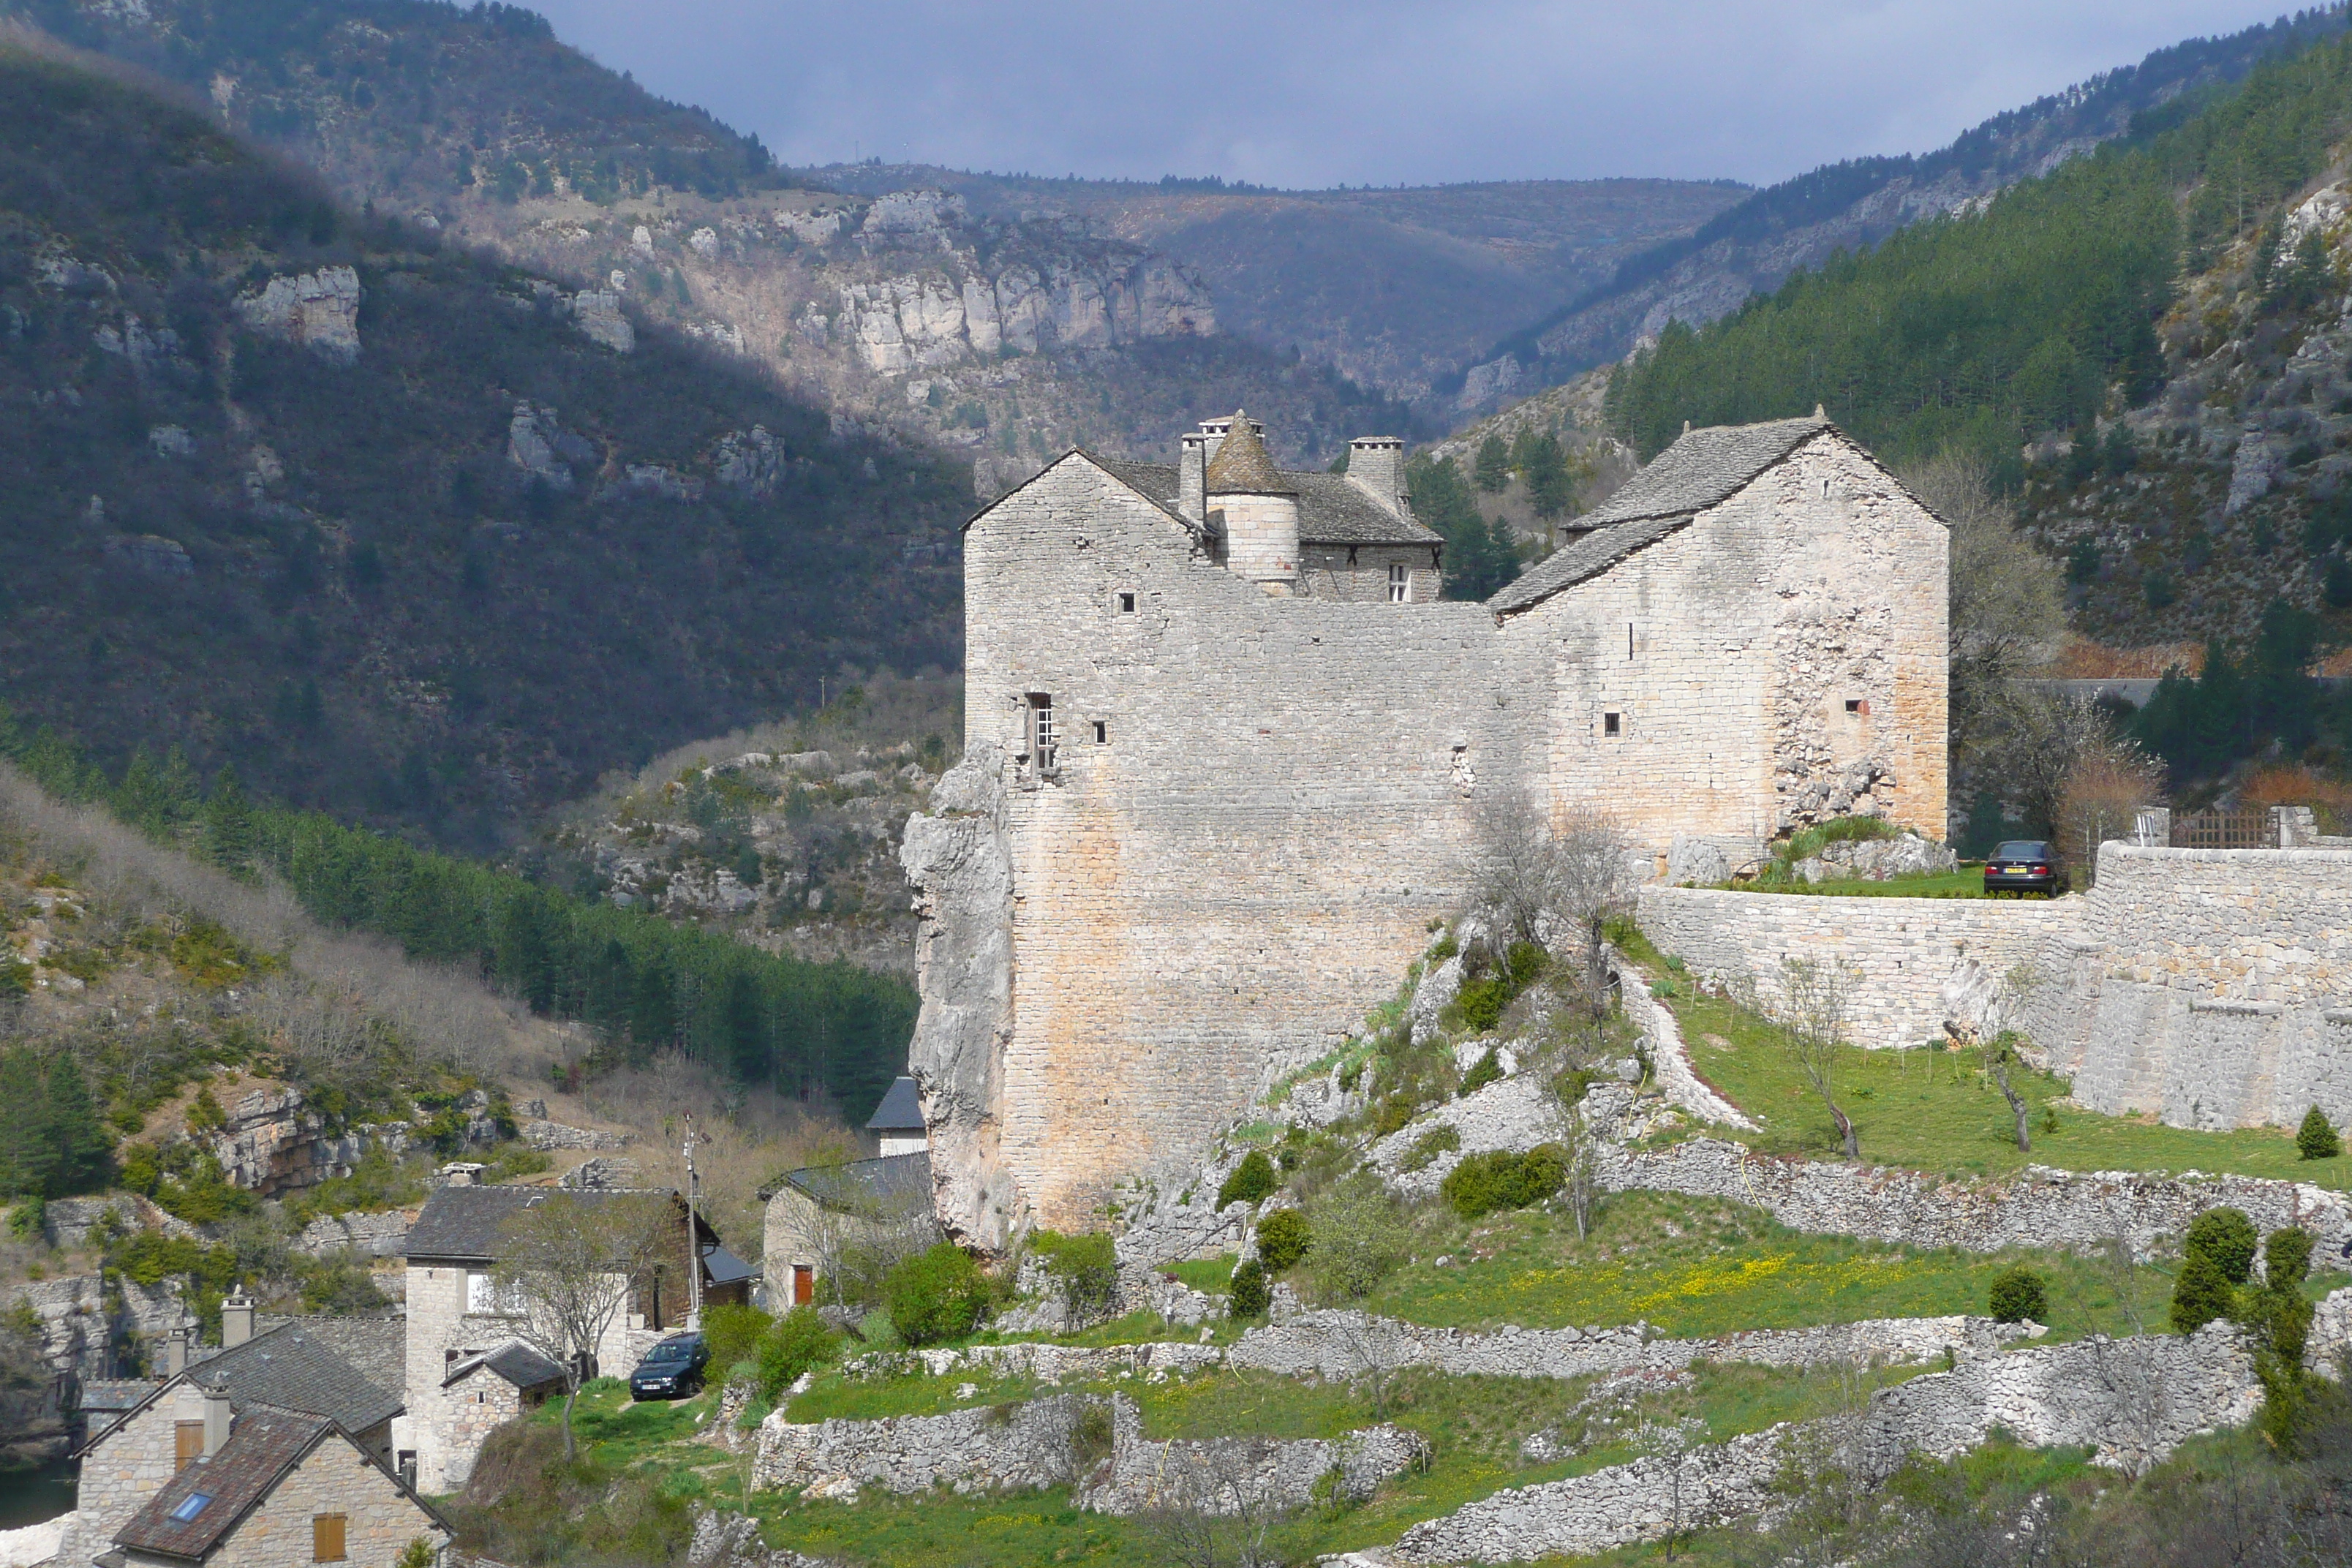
column 991, row 1449
column 1225, row 1476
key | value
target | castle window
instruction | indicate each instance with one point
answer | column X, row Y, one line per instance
column 1857, row 705
column 1609, row 724
column 1629, row 640
column 1102, row 732
column 1400, row 581
column 1127, row 604
column 1041, row 728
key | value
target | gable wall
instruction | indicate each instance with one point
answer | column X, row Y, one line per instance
column 1259, row 847
column 379, row 1519
column 124, row 1470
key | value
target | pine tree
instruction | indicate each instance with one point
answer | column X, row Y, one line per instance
column 79, row 1142
column 28, row 1159
column 2317, row 1139
column 227, row 835
column 179, row 791
column 1551, row 488
column 139, row 799
column 1493, row 473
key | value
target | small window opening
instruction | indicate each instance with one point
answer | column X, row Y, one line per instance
column 1629, row 640
column 1609, row 724
column 1102, row 732
column 1127, row 604
column 1856, row 705
column 1400, row 581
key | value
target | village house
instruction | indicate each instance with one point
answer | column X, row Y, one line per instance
column 306, row 1371
column 897, row 1122
column 464, row 1360
column 821, row 1216
column 1216, row 787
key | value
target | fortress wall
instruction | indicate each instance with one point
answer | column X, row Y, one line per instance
column 1920, row 961
column 2210, row 987
column 1249, row 859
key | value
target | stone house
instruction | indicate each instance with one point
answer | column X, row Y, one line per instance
column 483, row 1392
column 818, row 1215
column 274, row 1489
column 286, row 1371
column 1215, row 789
column 456, row 1312
column 898, row 1121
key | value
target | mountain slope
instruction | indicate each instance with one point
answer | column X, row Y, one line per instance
column 379, row 521
column 1801, row 222
column 481, row 124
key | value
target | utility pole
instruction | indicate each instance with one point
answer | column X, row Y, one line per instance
column 693, row 1233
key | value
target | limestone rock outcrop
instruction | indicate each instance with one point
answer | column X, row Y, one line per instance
column 319, row 310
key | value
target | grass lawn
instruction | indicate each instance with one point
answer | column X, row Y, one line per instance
column 1968, row 882
column 1940, row 1111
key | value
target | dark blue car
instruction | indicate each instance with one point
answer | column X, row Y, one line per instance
column 672, row 1369
column 2025, row 866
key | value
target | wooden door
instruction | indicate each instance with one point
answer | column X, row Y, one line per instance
column 803, row 1284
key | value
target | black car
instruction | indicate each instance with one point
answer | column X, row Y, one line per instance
column 672, row 1369
column 2025, row 866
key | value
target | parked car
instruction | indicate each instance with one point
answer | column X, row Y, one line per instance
column 672, row 1369
column 2025, row 866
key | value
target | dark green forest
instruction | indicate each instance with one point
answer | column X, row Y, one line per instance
column 332, row 575
column 646, row 984
column 1987, row 329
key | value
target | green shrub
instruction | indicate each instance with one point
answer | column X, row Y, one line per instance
column 2019, row 1296
column 1392, row 1115
column 1497, row 1180
column 2200, row 1294
column 1426, row 1148
column 1358, row 1239
column 793, row 1344
column 2317, row 1139
column 733, row 1334
column 935, row 1295
column 1251, row 1294
column 28, row 1220
column 2287, row 1258
column 1283, row 1239
column 2227, row 1237
column 1085, row 1268
column 1252, row 1182
column 1488, row 1069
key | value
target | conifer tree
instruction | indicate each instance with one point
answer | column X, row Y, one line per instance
column 28, row 1158
column 79, row 1143
column 2317, row 1139
column 1494, row 474
column 228, row 837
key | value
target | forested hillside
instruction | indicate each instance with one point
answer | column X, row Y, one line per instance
column 2146, row 343
column 380, row 521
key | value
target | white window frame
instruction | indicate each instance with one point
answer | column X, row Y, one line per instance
column 484, row 1299
column 1400, row 583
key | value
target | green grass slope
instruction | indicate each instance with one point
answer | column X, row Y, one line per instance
column 360, row 603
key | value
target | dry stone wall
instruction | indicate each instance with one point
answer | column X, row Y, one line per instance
column 1224, row 1476
column 988, row 1448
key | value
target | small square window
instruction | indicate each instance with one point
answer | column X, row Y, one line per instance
column 1857, row 705
column 1102, row 732
column 1127, row 604
column 1609, row 724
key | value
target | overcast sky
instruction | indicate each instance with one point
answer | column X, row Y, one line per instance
column 1314, row 93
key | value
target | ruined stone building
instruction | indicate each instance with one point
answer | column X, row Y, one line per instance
column 1226, row 750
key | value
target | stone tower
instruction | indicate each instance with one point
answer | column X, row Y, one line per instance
column 1255, row 507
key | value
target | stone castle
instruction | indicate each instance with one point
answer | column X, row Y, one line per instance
column 1225, row 749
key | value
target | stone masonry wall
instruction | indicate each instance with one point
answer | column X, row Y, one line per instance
column 1227, row 1475
column 1920, row 961
column 1286, row 791
column 470, row 1412
column 990, row 1448
column 129, row 1465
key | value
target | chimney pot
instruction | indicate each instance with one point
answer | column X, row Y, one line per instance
column 236, row 1320
column 461, row 1174
column 175, row 1353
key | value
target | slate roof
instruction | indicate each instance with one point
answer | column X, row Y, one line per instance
column 290, row 1368
column 901, row 1109
column 376, row 1347
column 261, row 1447
column 860, row 1184
column 1242, row 466
column 514, row 1361
column 1332, row 509
column 1703, row 468
column 721, row 1267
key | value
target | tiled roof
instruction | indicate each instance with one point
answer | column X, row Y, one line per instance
column 376, row 1347
column 290, row 1368
column 901, row 1109
column 891, row 1180
column 1242, row 466
column 1704, row 469
column 465, row 1222
column 514, row 1361
column 721, row 1267
column 1332, row 507
column 261, row 1447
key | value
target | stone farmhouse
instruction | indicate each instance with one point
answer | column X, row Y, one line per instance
column 1226, row 752
column 286, row 1434
column 819, row 1213
column 464, row 1363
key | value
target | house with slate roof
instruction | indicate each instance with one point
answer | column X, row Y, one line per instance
column 457, row 1316
column 897, row 1122
column 1217, row 782
column 820, row 1213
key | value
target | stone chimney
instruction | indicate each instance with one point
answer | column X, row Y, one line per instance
column 1376, row 464
column 1259, row 506
column 1191, row 473
column 236, row 1320
column 175, row 1353
column 461, row 1174
column 218, row 1418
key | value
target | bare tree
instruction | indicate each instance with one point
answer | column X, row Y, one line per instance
column 1995, row 1055
column 2038, row 740
column 1375, row 1348
column 1671, row 1441
column 2007, row 610
column 2101, row 795
column 1541, row 873
column 1209, row 1507
column 1582, row 1187
column 568, row 1266
column 1815, row 999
